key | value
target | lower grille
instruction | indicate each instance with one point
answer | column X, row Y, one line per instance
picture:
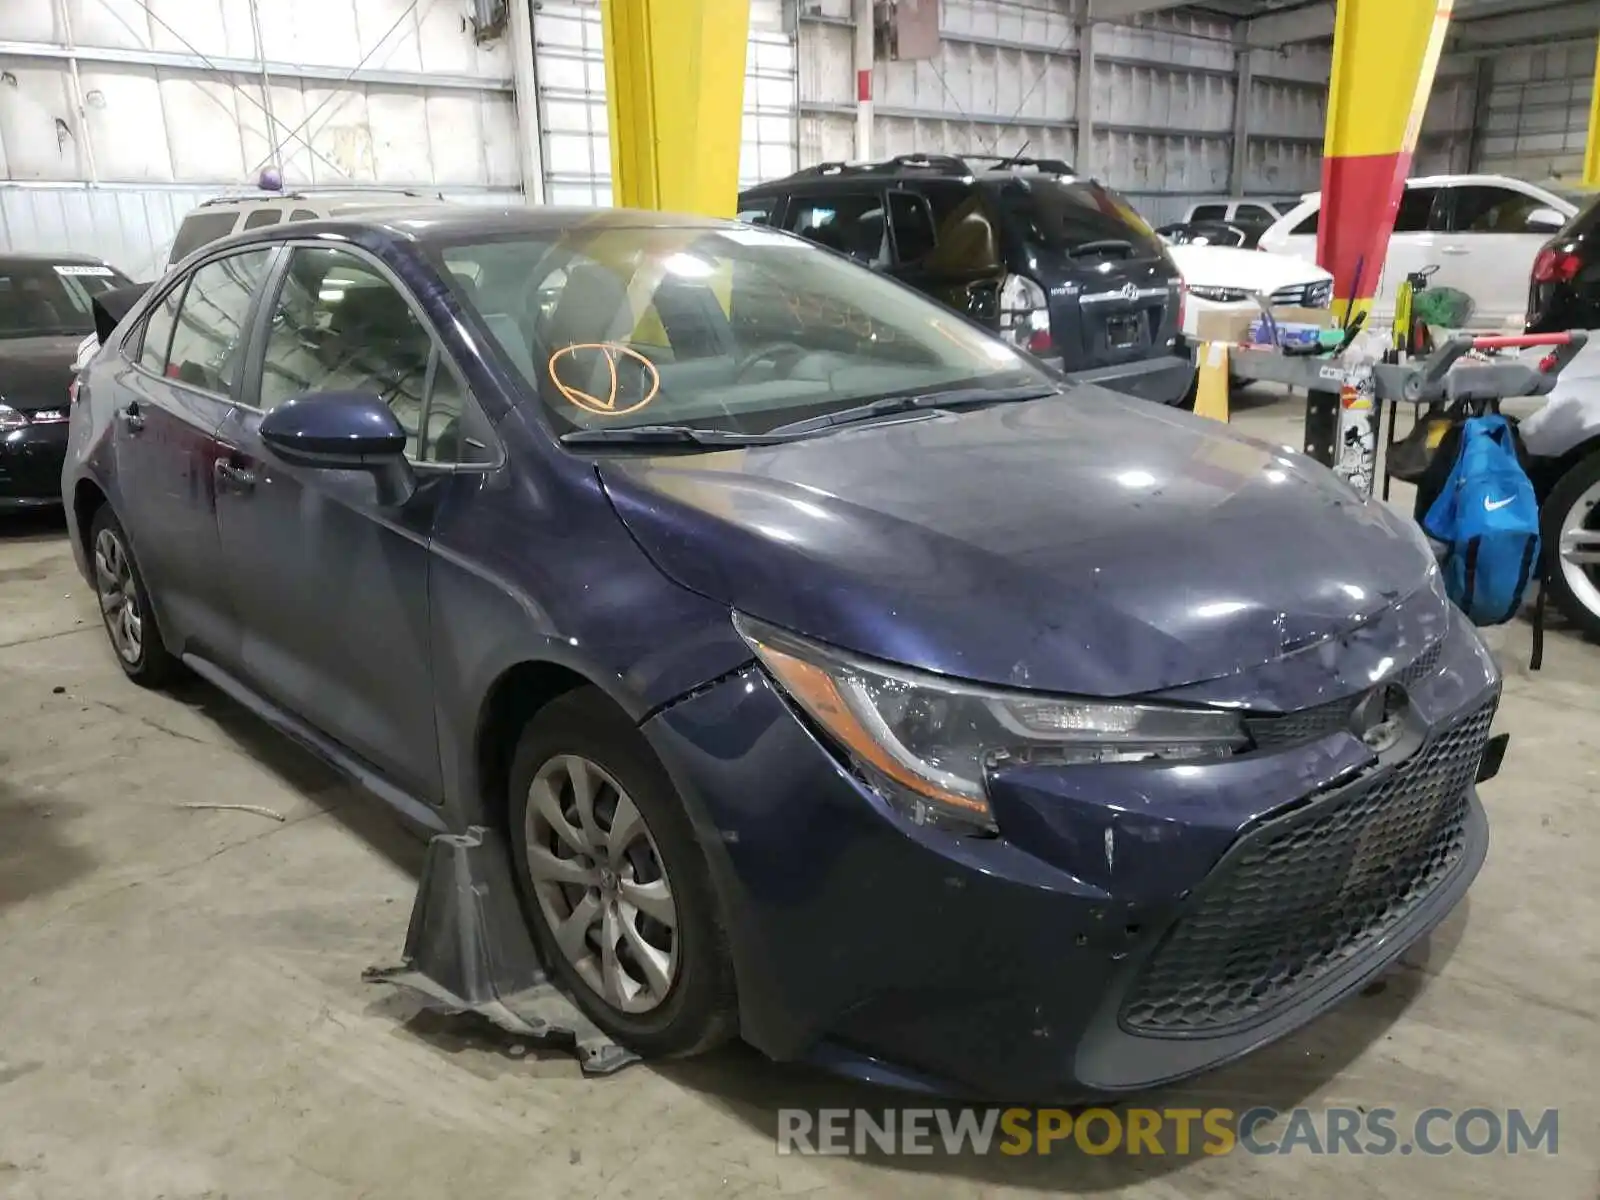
column 1303, row 896
column 1305, row 295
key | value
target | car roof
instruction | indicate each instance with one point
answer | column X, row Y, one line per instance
column 318, row 198
column 20, row 257
column 445, row 223
column 1457, row 181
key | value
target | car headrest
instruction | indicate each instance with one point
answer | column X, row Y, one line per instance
column 593, row 307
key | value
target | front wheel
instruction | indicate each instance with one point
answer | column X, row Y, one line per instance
column 613, row 882
column 1570, row 529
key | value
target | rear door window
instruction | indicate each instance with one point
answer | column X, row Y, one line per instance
column 208, row 339
column 1254, row 214
column 262, row 217
column 200, row 229
column 1480, row 209
column 1419, row 211
column 1209, row 212
column 1073, row 217
column 849, row 222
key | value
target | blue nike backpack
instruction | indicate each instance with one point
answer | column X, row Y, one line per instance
column 1488, row 519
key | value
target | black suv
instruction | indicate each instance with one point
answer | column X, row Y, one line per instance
column 1060, row 266
column 1565, row 290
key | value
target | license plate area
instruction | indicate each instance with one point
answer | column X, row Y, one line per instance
column 1125, row 331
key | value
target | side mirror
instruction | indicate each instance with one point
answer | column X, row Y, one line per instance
column 1545, row 220
column 342, row 431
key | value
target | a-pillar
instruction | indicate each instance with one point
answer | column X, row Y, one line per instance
column 1384, row 58
column 675, row 99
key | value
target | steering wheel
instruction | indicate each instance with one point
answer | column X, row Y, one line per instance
column 774, row 351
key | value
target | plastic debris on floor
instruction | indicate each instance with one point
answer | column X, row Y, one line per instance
column 468, row 951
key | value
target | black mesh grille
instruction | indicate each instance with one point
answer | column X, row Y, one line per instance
column 1309, row 724
column 1304, row 895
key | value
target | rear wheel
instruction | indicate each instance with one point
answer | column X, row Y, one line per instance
column 125, row 604
column 1570, row 521
column 613, row 882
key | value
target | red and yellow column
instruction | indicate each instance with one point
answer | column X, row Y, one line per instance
column 1384, row 58
column 675, row 100
column 1591, row 155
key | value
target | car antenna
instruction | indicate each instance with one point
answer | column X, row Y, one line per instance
column 1006, row 164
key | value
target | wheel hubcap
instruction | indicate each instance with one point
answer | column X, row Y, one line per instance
column 119, row 599
column 600, row 883
column 1580, row 549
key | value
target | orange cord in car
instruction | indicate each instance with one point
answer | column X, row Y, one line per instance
column 608, row 406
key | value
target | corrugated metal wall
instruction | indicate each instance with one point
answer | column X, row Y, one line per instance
column 170, row 104
column 1287, row 118
column 1007, row 73
column 570, row 62
column 1533, row 120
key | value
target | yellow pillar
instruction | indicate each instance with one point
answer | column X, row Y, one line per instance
column 675, row 99
column 1591, row 156
column 1384, row 58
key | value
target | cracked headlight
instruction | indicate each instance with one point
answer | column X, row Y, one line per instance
column 927, row 743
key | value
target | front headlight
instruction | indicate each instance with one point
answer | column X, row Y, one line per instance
column 1221, row 295
column 927, row 743
column 11, row 419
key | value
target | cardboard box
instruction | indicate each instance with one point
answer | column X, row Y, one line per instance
column 1234, row 328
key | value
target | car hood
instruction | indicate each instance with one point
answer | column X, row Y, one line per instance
column 1229, row 266
column 35, row 371
column 1089, row 544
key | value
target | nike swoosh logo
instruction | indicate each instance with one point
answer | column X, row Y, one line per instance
column 1491, row 505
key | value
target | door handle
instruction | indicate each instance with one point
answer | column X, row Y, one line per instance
column 232, row 478
column 1453, row 250
column 132, row 418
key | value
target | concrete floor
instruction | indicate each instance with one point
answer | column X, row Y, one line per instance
column 182, row 1013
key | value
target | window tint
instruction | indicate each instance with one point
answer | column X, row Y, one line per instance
column 261, row 217
column 757, row 212
column 1068, row 216
column 303, row 214
column 849, row 222
column 911, row 216
column 1494, row 210
column 38, row 299
column 207, row 341
column 200, row 229
column 1209, row 212
column 339, row 325
column 1416, row 208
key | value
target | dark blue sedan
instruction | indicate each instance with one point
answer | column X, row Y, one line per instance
column 838, row 677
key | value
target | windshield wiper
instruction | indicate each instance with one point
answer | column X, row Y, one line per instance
column 664, row 435
column 888, row 406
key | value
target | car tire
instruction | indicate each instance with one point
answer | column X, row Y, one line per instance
column 125, row 611
column 1186, row 401
column 696, row 1011
column 1574, row 591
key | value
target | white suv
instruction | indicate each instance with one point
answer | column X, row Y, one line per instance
column 1481, row 231
column 217, row 218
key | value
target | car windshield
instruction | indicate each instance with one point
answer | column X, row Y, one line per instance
column 39, row 299
column 727, row 328
column 1075, row 217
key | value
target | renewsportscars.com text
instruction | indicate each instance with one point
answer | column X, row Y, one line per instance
column 1167, row 1131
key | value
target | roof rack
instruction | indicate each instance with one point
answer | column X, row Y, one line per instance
column 309, row 193
column 1005, row 162
column 944, row 164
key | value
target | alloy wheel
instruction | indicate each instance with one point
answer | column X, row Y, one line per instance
column 119, row 598
column 1579, row 549
column 600, row 883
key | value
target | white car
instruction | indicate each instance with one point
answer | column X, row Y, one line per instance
column 1233, row 280
column 1481, row 231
